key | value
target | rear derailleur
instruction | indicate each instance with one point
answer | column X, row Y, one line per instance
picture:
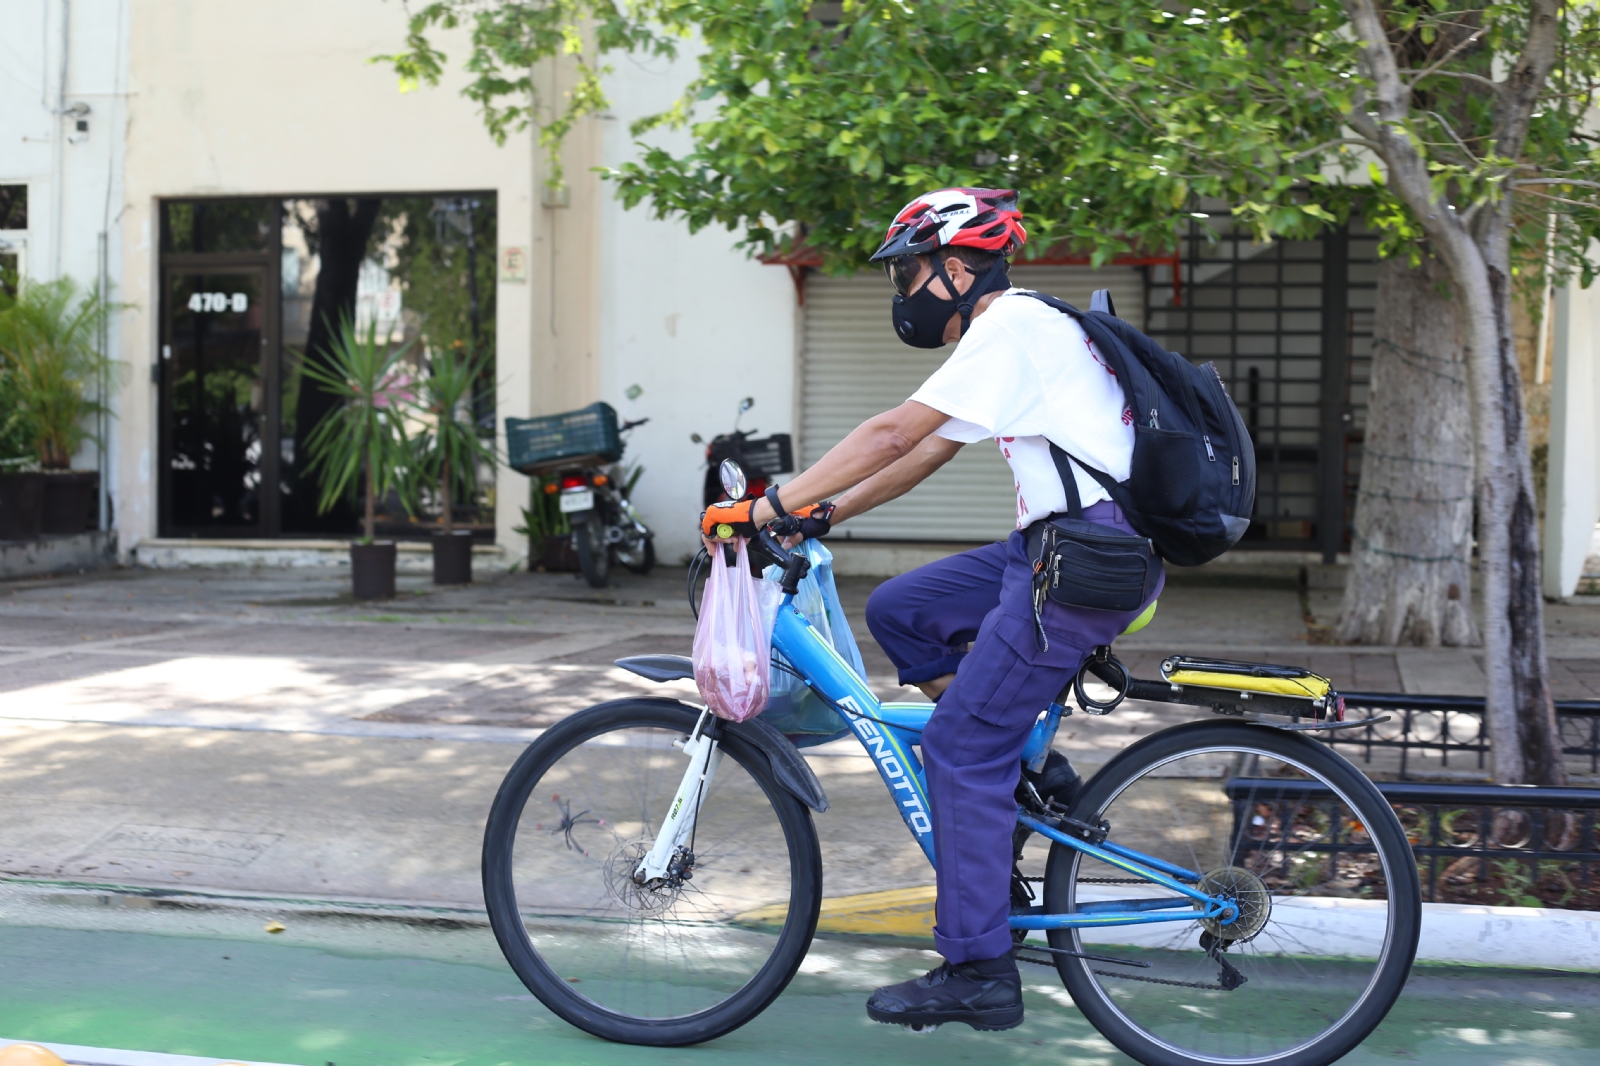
column 1228, row 977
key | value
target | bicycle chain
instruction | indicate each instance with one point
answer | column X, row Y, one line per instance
column 1212, row 987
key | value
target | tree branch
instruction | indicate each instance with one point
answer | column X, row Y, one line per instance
column 1560, row 199
column 1556, row 181
column 1361, row 142
column 1454, row 136
column 1462, row 74
column 1520, row 95
column 1392, row 95
column 1448, row 56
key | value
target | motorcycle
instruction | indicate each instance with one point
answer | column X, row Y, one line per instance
column 605, row 526
column 761, row 459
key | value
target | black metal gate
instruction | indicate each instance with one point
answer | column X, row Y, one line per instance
column 1289, row 325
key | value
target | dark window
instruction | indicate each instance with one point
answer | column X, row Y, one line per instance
column 13, row 207
column 216, row 226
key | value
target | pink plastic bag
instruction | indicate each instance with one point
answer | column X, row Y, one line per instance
column 733, row 640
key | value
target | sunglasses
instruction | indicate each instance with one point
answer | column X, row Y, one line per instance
column 903, row 272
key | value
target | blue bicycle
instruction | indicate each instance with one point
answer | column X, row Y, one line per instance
column 1223, row 891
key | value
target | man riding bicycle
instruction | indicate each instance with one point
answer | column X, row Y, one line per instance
column 970, row 630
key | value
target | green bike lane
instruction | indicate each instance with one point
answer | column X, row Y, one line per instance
column 396, row 988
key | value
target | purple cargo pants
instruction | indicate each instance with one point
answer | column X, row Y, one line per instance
column 972, row 747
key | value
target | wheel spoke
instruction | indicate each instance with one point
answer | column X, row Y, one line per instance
column 678, row 949
column 1313, row 949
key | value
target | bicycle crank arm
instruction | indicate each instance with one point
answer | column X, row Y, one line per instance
column 704, row 757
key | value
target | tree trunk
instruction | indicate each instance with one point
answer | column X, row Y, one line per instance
column 1410, row 560
column 343, row 229
column 1521, row 716
column 1524, row 677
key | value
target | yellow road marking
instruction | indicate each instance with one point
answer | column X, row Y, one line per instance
column 897, row 912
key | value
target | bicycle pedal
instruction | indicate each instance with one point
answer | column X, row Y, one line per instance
column 920, row 1027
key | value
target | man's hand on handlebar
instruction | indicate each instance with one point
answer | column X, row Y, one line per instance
column 728, row 519
column 809, row 523
column 736, row 518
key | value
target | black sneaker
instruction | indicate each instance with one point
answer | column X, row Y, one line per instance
column 985, row 994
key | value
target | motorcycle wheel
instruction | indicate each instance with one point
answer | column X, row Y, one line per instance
column 594, row 554
column 642, row 559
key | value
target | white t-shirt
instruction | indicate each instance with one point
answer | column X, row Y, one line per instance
column 1026, row 372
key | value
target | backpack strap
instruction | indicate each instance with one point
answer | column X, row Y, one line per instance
column 1069, row 483
column 1114, row 488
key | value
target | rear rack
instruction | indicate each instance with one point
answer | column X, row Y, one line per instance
column 1244, row 690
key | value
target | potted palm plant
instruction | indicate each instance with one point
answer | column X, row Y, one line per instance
column 361, row 445
column 56, row 377
column 448, row 453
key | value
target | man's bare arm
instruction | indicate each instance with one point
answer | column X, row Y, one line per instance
column 897, row 479
column 870, row 447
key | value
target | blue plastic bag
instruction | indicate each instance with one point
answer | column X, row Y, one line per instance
column 793, row 709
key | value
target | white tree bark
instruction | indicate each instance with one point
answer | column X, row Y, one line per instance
column 1476, row 247
column 1410, row 560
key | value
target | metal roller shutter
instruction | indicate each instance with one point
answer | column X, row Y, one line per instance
column 854, row 367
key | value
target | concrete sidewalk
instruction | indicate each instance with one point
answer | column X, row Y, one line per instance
column 256, row 731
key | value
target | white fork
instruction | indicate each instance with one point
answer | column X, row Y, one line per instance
column 704, row 757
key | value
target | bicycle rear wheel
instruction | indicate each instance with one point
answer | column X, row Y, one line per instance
column 1326, row 886
column 663, row 967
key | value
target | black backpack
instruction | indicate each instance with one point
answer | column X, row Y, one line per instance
column 1192, row 485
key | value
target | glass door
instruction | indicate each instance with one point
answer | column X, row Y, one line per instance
column 218, row 468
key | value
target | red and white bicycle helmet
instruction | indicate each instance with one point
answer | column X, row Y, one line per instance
column 986, row 219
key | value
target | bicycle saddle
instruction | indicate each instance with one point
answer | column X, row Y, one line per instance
column 659, row 667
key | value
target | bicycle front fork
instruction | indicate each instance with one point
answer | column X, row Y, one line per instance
column 669, row 859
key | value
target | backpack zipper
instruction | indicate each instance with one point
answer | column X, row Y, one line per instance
column 1155, row 423
column 1210, row 455
column 1235, row 469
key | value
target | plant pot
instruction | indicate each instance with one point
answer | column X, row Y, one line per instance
column 71, row 501
column 559, row 555
column 21, row 506
column 452, row 557
column 372, row 570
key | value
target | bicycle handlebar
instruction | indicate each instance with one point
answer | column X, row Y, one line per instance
column 795, row 566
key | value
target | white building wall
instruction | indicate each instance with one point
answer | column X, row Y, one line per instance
column 64, row 65
column 233, row 97
column 692, row 321
column 1572, row 495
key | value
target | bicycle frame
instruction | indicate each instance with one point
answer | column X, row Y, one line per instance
column 889, row 730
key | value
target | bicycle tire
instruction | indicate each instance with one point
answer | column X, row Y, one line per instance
column 1098, row 1001
column 594, row 553
column 555, row 990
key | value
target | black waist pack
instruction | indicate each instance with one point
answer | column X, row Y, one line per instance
column 1078, row 563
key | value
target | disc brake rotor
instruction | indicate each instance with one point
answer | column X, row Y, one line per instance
column 1247, row 892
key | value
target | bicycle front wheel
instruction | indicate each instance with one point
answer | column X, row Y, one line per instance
column 664, row 966
column 1314, row 860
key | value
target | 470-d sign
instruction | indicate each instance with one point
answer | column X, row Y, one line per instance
column 219, row 301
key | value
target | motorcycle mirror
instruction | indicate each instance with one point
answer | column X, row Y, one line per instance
column 746, row 403
column 733, row 482
column 697, row 438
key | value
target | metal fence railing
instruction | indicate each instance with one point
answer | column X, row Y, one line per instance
column 1473, row 843
column 1449, row 732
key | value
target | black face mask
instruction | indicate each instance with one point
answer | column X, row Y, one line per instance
column 919, row 319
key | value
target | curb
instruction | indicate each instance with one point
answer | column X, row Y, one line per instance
column 78, row 1055
column 1468, row 934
